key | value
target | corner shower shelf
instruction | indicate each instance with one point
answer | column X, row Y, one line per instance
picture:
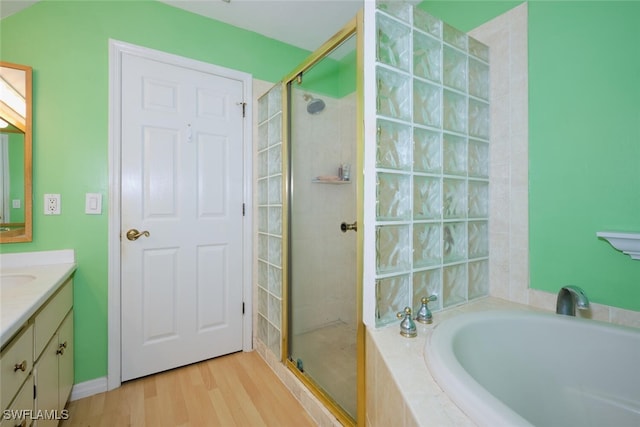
column 332, row 182
column 628, row 243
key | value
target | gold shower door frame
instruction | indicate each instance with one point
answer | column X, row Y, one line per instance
column 354, row 27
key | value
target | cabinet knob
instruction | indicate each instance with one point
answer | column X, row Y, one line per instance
column 20, row 366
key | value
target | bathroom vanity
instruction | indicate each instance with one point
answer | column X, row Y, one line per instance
column 36, row 333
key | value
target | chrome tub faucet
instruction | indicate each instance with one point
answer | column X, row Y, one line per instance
column 570, row 297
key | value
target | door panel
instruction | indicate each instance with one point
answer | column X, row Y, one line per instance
column 182, row 181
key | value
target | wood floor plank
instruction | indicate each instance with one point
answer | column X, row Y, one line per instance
column 234, row 390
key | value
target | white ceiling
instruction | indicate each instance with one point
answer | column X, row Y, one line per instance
column 302, row 23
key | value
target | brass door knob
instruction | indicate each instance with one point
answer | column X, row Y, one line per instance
column 134, row 234
column 346, row 227
column 20, row 366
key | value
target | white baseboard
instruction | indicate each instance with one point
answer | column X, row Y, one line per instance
column 88, row 388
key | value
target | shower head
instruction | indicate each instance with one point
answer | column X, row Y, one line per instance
column 314, row 105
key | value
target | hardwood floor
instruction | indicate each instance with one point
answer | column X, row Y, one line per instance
column 233, row 390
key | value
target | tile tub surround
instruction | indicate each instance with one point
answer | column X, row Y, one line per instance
column 19, row 302
column 400, row 388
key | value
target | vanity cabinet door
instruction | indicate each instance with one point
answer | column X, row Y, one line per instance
column 46, row 376
column 65, row 361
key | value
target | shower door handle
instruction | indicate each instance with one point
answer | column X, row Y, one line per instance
column 346, row 227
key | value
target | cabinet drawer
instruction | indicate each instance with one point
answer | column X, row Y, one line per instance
column 17, row 355
column 50, row 317
column 21, row 408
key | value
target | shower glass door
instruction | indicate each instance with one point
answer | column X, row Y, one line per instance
column 322, row 306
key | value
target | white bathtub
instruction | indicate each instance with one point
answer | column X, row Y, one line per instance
column 518, row 368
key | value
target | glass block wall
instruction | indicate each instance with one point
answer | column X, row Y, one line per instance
column 432, row 162
column 270, row 219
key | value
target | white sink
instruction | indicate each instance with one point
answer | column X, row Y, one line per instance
column 16, row 279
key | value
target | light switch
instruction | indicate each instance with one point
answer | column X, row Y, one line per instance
column 15, row 203
column 93, row 204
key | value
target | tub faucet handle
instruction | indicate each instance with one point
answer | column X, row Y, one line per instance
column 424, row 314
column 407, row 325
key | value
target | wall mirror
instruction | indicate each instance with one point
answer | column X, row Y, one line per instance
column 15, row 153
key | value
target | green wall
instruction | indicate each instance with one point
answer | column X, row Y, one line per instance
column 584, row 139
column 66, row 43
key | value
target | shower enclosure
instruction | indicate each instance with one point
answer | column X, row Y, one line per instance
column 322, row 274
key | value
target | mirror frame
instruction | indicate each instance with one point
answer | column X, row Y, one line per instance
column 26, row 234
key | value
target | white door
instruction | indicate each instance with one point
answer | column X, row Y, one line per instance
column 182, row 182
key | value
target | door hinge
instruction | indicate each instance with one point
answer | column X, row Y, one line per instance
column 243, row 308
column 244, row 107
column 243, row 209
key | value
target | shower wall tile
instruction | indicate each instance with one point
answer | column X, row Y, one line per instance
column 454, row 73
column 454, row 242
column 454, row 37
column 478, row 119
column 478, row 234
column 478, row 79
column 478, row 158
column 394, row 145
column 478, row 199
column 427, row 244
column 454, row 286
column 427, row 23
column 400, row 10
column 455, row 111
column 427, row 105
column 454, row 153
column 394, row 41
column 454, row 198
column 478, row 49
column 478, row 279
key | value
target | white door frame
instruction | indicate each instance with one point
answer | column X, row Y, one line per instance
column 116, row 50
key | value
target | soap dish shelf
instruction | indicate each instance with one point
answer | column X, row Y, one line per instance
column 628, row 243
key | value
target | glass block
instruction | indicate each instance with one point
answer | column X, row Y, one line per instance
column 426, row 283
column 478, row 163
column 275, row 160
column 393, row 197
column 396, row 8
column 263, row 136
column 393, row 42
column 275, row 190
column 394, row 145
column 426, row 197
column 454, row 285
column 478, row 279
column 263, row 191
column 275, row 281
column 263, row 164
column 478, row 79
column 455, row 112
column 263, row 330
column 275, row 251
column 263, row 246
column 263, row 220
column 479, row 50
column 392, row 248
column 275, row 129
column 454, row 198
column 426, row 245
column 274, row 340
column 454, row 241
column 275, row 100
column 275, row 220
column 263, row 108
column 426, row 57
column 275, row 307
column 454, row 154
column 427, row 23
column 478, row 239
column 454, row 68
column 393, row 294
column 394, row 92
column 478, row 199
column 263, row 302
column 426, row 150
column 426, row 103
column 478, row 119
column 454, row 37
column 263, row 274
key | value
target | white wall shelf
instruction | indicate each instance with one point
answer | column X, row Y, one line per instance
column 628, row 243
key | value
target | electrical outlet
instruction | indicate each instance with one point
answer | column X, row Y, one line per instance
column 52, row 204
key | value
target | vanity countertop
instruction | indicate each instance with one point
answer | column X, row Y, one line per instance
column 20, row 301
